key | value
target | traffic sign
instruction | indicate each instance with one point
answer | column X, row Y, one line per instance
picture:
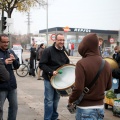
column 52, row 37
column 111, row 40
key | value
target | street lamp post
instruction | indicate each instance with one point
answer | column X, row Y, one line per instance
column 2, row 21
column 47, row 23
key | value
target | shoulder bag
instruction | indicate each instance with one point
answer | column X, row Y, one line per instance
column 72, row 108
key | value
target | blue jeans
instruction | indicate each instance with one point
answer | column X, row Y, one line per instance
column 89, row 114
column 50, row 101
column 13, row 105
column 71, row 53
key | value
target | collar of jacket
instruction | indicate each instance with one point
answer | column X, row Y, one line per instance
column 3, row 50
column 57, row 48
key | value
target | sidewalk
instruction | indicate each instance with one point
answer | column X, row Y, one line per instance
column 31, row 102
column 31, row 99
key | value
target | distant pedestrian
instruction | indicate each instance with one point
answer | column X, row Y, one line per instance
column 69, row 48
column 37, row 52
column 8, row 89
column 116, row 55
column 72, row 49
column 33, row 59
column 100, row 45
column 40, row 52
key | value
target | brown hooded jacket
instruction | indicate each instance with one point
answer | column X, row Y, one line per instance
column 85, row 71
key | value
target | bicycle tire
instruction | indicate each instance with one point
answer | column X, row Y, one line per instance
column 22, row 71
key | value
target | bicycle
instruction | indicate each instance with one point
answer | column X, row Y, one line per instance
column 24, row 69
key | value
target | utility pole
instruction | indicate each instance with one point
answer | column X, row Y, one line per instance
column 118, row 42
column 28, row 22
column 2, row 21
column 47, row 23
column 1, row 13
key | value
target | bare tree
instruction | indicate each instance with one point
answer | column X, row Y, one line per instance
column 21, row 5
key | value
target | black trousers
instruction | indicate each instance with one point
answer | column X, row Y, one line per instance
column 32, row 67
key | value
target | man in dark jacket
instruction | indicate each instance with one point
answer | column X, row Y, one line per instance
column 32, row 60
column 92, row 105
column 4, row 74
column 116, row 72
column 52, row 58
column 8, row 89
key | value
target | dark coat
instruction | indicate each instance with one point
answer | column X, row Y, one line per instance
column 11, row 83
column 100, row 50
column 52, row 59
column 32, row 57
column 40, row 52
column 116, row 57
column 4, row 74
column 85, row 71
column 33, row 53
column 116, row 72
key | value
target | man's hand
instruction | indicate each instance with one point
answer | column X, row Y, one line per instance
column 55, row 72
column 12, row 57
column 8, row 61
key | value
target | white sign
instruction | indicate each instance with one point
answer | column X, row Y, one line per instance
column 38, row 40
column 82, row 30
column 19, row 54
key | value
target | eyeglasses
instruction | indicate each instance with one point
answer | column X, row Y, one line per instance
column 61, row 40
column 4, row 42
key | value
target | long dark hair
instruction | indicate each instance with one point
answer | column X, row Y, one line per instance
column 41, row 45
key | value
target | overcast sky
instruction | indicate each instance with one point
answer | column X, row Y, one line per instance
column 89, row 14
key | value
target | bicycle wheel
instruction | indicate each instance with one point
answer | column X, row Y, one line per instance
column 22, row 71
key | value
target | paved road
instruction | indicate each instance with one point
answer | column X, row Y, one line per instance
column 31, row 97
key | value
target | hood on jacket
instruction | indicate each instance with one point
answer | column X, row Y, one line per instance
column 89, row 46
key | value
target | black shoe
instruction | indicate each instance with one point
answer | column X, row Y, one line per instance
column 33, row 75
column 29, row 73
